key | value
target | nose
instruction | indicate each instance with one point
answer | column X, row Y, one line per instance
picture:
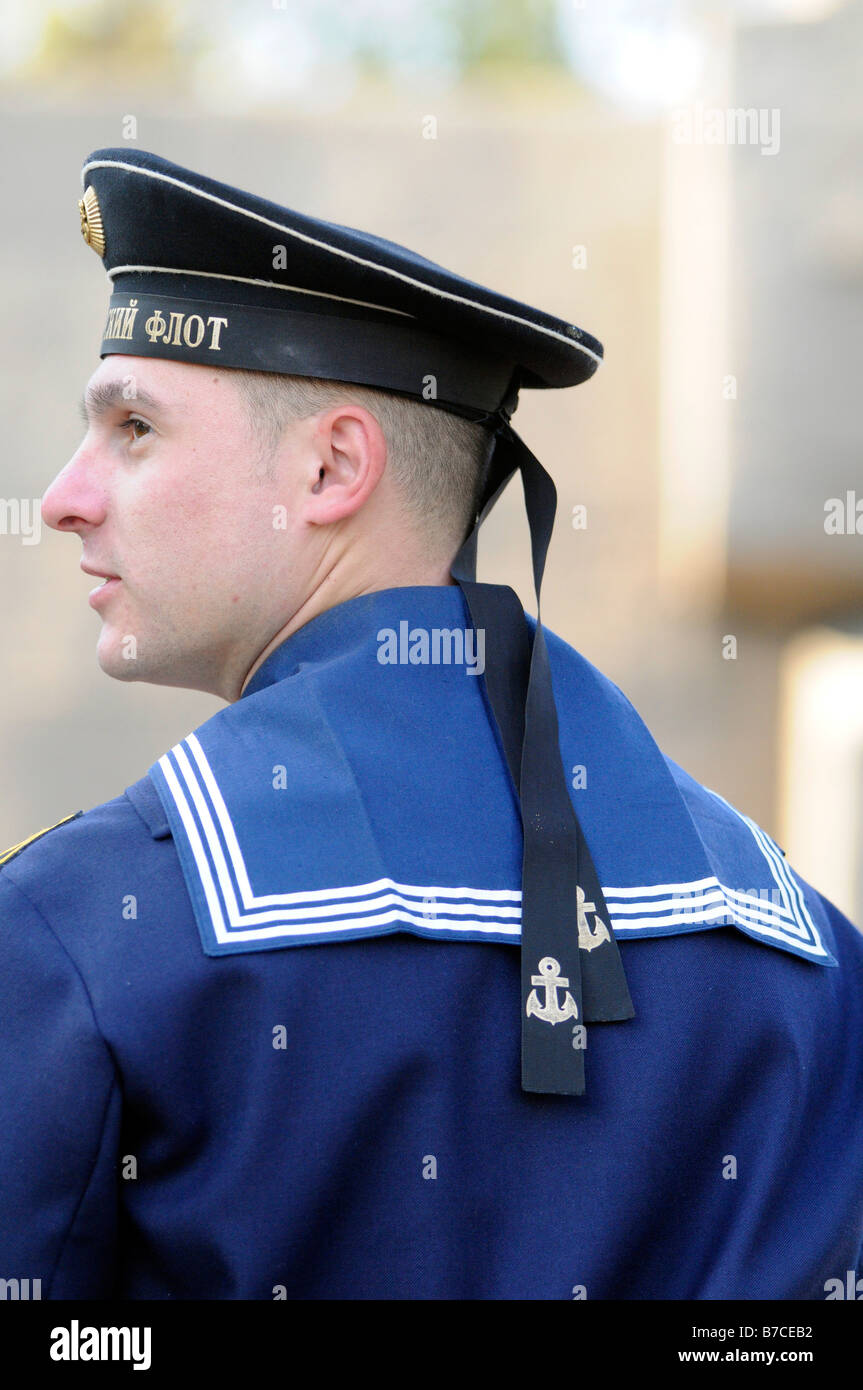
column 75, row 500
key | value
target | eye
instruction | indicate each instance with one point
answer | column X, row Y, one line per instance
column 134, row 425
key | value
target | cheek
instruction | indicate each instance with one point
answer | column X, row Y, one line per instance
column 166, row 535
column 206, row 541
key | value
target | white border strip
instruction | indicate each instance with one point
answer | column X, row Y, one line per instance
column 638, row 911
column 788, row 886
column 498, row 898
column 222, row 902
column 687, row 903
column 248, row 280
column 634, row 912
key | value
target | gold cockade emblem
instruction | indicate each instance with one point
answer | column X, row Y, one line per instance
column 91, row 221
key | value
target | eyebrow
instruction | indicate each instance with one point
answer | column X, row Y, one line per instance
column 106, row 396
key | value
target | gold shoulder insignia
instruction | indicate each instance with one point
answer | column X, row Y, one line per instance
column 16, row 849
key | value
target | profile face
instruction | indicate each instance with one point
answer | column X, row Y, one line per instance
column 166, row 496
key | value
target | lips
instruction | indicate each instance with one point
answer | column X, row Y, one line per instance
column 98, row 574
column 102, row 592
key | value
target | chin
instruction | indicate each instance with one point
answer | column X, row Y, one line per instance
column 117, row 657
column 117, row 654
column 113, row 664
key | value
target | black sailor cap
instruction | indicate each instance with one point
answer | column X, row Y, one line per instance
column 203, row 272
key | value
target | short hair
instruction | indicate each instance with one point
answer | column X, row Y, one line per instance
column 438, row 460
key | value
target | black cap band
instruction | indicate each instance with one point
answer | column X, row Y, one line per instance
column 387, row 351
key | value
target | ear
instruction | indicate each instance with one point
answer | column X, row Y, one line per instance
column 347, row 459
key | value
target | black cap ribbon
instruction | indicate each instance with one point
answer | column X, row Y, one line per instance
column 571, row 971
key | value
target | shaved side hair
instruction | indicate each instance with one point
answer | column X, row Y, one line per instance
column 438, row 460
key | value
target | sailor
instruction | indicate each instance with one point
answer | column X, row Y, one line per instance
column 355, row 993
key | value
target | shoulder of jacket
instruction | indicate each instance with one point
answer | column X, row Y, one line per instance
column 101, row 832
column 14, row 850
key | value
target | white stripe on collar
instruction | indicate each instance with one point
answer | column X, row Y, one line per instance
column 238, row 915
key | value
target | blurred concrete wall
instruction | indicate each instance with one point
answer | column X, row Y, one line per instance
column 798, row 313
column 795, row 565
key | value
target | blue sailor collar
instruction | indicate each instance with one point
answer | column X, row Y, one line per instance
column 358, row 788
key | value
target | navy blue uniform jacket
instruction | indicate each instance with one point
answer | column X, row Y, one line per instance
column 259, row 1016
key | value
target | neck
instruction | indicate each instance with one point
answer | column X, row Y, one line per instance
column 334, row 589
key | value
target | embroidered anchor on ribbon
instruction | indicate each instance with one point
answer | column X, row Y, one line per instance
column 551, row 979
column 589, row 937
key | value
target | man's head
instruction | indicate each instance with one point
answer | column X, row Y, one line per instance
column 233, row 503
column 232, row 506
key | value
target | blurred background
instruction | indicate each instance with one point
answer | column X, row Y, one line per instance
column 681, row 179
